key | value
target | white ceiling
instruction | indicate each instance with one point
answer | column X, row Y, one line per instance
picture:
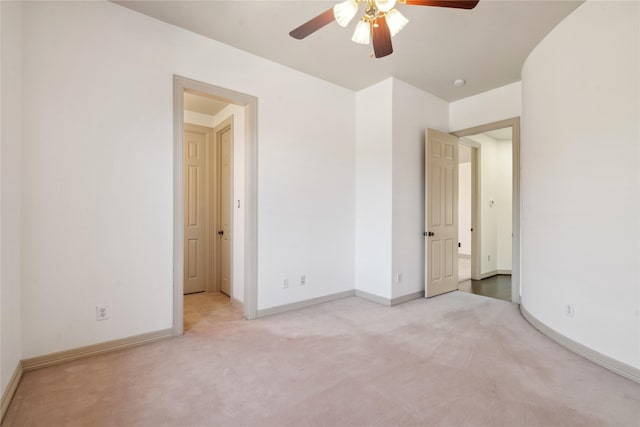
column 485, row 46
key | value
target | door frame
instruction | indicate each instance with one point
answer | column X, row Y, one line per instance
column 475, row 206
column 180, row 84
column 514, row 123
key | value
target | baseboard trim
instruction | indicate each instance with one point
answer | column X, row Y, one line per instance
column 301, row 304
column 52, row 359
column 373, row 298
column 10, row 390
column 494, row 273
column 488, row 274
column 407, row 298
column 596, row 357
column 237, row 304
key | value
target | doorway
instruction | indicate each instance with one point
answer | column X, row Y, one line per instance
column 494, row 183
column 215, row 192
column 208, row 213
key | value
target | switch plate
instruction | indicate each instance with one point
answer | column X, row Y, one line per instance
column 303, row 280
column 569, row 311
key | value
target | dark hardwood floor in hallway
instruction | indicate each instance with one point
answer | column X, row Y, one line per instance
column 498, row 287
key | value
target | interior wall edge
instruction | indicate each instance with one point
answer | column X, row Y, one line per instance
column 373, row 298
column 596, row 357
column 406, row 298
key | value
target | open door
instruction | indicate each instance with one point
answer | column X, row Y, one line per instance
column 441, row 213
column 224, row 142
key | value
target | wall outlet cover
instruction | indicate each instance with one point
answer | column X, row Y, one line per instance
column 102, row 312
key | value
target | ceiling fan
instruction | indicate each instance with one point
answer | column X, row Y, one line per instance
column 379, row 23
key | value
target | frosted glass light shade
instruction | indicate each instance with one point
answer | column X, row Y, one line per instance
column 385, row 5
column 345, row 11
column 396, row 21
column 362, row 34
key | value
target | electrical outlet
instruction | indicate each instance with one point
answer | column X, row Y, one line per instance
column 101, row 312
column 303, row 280
column 398, row 278
column 569, row 311
column 285, row 283
column 488, row 257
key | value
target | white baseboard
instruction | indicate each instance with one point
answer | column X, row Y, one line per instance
column 407, row 298
column 237, row 304
column 596, row 357
column 373, row 298
column 301, row 304
column 488, row 274
column 493, row 273
column 95, row 349
column 10, row 390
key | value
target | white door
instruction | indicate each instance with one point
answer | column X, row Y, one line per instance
column 441, row 212
column 224, row 137
column 196, row 209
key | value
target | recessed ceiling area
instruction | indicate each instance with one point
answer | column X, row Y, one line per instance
column 485, row 46
column 500, row 134
column 202, row 104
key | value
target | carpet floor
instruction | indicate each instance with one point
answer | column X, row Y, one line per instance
column 454, row 360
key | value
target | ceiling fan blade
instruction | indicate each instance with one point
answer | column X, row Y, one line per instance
column 456, row 4
column 381, row 38
column 313, row 25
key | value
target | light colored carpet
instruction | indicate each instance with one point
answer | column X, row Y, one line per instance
column 457, row 359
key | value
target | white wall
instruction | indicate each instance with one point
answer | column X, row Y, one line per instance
column 97, row 185
column 374, row 189
column 498, row 104
column 495, row 218
column 10, row 183
column 580, row 179
column 464, row 205
column 488, row 214
column 504, row 206
column 413, row 111
column 238, row 114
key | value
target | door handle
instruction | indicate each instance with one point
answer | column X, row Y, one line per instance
column 220, row 232
column 429, row 233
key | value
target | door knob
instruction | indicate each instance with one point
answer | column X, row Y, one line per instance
column 429, row 233
column 220, row 232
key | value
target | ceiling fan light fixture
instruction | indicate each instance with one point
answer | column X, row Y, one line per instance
column 345, row 11
column 385, row 5
column 396, row 21
column 362, row 34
